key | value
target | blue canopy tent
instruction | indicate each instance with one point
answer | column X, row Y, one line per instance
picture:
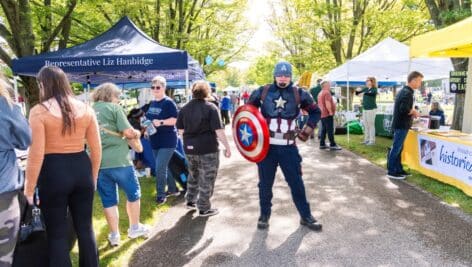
column 122, row 54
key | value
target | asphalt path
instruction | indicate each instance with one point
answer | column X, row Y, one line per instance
column 367, row 220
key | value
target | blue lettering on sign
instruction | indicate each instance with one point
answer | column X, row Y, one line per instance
column 456, row 161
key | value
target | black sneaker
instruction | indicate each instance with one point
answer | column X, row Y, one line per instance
column 323, row 147
column 334, row 148
column 191, row 206
column 263, row 222
column 311, row 223
column 208, row 213
column 396, row 176
column 404, row 173
column 161, row 200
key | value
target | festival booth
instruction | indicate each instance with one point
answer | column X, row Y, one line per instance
column 389, row 62
column 123, row 55
column 444, row 155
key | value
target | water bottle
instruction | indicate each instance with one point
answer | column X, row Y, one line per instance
column 150, row 129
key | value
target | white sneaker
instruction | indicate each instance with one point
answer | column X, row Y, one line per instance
column 142, row 230
column 114, row 239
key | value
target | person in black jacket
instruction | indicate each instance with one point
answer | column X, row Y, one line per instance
column 403, row 114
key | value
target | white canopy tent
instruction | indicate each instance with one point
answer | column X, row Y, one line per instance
column 389, row 60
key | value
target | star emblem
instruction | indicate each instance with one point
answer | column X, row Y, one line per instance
column 280, row 103
column 245, row 134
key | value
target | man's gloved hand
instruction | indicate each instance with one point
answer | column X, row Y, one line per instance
column 305, row 133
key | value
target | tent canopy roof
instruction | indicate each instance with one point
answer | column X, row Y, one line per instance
column 452, row 41
column 389, row 61
column 121, row 54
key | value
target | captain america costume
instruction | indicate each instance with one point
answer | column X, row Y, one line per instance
column 280, row 107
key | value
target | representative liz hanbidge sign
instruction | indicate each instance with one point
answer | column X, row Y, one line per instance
column 448, row 158
column 457, row 81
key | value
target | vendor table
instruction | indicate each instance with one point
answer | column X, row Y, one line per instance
column 383, row 124
column 446, row 157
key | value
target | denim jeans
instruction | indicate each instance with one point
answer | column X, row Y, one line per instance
column 394, row 159
column 123, row 177
column 328, row 128
column 163, row 175
column 289, row 160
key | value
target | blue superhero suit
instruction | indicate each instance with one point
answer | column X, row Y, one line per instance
column 281, row 107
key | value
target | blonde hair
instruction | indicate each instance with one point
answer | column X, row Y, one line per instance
column 161, row 80
column 4, row 91
column 201, row 89
column 373, row 81
column 105, row 92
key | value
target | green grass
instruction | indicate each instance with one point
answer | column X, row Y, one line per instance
column 377, row 154
column 120, row 256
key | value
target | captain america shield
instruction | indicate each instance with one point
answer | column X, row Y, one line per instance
column 251, row 133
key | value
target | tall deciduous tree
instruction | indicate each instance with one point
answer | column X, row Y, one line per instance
column 444, row 13
column 312, row 30
column 18, row 30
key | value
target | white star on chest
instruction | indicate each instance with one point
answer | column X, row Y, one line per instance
column 245, row 135
column 280, row 103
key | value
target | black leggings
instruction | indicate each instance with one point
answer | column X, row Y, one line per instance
column 65, row 182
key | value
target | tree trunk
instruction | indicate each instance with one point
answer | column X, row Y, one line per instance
column 157, row 28
column 31, row 91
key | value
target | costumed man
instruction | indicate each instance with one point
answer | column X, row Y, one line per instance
column 280, row 104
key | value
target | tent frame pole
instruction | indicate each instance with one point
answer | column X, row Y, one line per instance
column 347, row 102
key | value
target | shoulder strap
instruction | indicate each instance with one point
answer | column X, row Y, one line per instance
column 296, row 93
column 110, row 132
column 265, row 91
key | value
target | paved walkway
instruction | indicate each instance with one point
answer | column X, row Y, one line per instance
column 367, row 220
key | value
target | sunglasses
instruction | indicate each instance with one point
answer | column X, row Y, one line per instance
column 155, row 87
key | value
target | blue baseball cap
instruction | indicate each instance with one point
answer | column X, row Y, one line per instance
column 283, row 68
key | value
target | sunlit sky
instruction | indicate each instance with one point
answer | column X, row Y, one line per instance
column 257, row 13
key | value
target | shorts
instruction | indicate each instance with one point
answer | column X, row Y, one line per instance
column 110, row 179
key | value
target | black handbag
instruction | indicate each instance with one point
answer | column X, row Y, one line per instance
column 33, row 225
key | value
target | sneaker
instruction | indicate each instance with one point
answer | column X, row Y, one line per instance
column 161, row 200
column 323, row 147
column 263, row 222
column 404, row 173
column 370, row 144
column 208, row 213
column 173, row 194
column 139, row 174
column 191, row 206
column 364, row 142
column 334, row 148
column 396, row 176
column 114, row 239
column 311, row 223
column 141, row 231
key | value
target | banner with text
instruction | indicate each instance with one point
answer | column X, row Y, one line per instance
column 448, row 158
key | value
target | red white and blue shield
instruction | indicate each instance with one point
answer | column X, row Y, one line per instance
column 251, row 133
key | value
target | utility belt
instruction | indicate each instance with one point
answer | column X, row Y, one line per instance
column 290, row 135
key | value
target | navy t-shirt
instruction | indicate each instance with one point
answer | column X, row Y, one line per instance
column 166, row 136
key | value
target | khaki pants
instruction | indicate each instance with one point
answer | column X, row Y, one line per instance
column 368, row 118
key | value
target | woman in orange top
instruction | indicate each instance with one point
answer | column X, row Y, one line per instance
column 59, row 167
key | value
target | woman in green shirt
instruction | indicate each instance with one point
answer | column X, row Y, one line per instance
column 369, row 107
column 116, row 168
